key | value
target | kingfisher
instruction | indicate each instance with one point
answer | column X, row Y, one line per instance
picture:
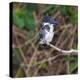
column 46, row 32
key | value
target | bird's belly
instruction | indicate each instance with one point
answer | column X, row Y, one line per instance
column 49, row 37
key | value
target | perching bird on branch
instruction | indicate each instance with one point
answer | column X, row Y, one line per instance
column 46, row 32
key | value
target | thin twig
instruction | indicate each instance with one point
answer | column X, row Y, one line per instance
column 67, row 39
column 28, row 41
column 70, row 46
column 30, row 63
column 59, row 39
column 74, row 52
column 46, row 60
column 21, row 51
column 35, row 73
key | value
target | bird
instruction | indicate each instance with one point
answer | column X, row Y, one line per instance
column 46, row 32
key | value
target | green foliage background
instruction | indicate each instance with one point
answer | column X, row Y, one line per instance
column 23, row 14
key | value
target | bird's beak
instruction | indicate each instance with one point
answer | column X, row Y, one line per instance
column 56, row 23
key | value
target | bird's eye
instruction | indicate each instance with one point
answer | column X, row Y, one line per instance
column 47, row 27
column 43, row 28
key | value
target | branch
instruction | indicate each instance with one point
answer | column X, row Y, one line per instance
column 73, row 52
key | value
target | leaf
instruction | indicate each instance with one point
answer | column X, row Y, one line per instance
column 32, row 7
column 71, row 12
column 70, row 58
column 23, row 18
column 30, row 21
column 73, row 67
column 19, row 22
column 44, row 65
column 16, row 57
column 73, row 63
column 18, row 18
column 20, row 73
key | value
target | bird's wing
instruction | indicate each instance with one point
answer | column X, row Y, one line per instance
column 42, row 34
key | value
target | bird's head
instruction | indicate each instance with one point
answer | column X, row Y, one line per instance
column 50, row 20
column 49, row 24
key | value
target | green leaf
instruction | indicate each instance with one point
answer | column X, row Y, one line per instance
column 73, row 63
column 19, row 22
column 32, row 7
column 73, row 66
column 24, row 18
column 20, row 73
column 16, row 56
column 44, row 65
column 70, row 58
column 71, row 12
column 30, row 21
column 18, row 18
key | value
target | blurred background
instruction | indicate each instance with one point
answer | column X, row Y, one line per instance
column 28, row 59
